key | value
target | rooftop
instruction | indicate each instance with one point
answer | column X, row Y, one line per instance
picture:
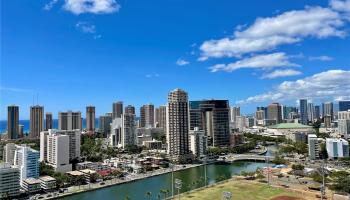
column 32, row 181
column 75, row 173
column 47, row 178
column 289, row 126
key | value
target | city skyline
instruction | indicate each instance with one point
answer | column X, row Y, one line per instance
column 140, row 61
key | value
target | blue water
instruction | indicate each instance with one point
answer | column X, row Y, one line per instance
column 25, row 123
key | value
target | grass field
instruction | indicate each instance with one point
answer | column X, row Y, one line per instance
column 241, row 190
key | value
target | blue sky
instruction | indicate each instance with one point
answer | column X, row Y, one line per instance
column 75, row 53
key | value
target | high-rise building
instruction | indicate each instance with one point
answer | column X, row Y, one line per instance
column 105, row 124
column 58, row 153
column 123, row 131
column 264, row 109
column 147, row 116
column 344, row 105
column 12, row 122
column 212, row 116
column 313, row 146
column 117, row 109
column 20, row 131
column 73, row 144
column 303, row 111
column 130, row 110
column 36, row 121
column 337, row 148
column 317, row 112
column 27, row 161
column 287, row 110
column 327, row 121
column 260, row 115
column 177, row 125
column 160, row 117
column 240, row 123
column 48, row 124
column 9, row 181
column 274, row 112
column 198, row 142
column 9, row 153
column 69, row 120
column 310, row 112
column 90, row 119
column 344, row 123
column 327, row 109
column 234, row 112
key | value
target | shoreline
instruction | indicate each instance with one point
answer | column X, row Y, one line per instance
column 110, row 183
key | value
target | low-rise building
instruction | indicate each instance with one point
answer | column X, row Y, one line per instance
column 153, row 144
column 31, row 185
column 87, row 174
column 236, row 139
column 47, row 182
column 96, row 166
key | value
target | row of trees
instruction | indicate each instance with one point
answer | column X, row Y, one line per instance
column 243, row 148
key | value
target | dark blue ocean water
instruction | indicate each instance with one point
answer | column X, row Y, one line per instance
column 25, row 123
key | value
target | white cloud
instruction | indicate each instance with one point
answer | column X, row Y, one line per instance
column 152, row 75
column 12, row 89
column 85, row 27
column 340, row 5
column 182, row 62
column 330, row 85
column 321, row 58
column 96, row 37
column 265, row 61
column 50, row 4
column 91, row 6
column 268, row 33
column 280, row 73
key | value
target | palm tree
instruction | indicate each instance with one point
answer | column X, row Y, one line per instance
column 148, row 195
column 127, row 197
column 164, row 192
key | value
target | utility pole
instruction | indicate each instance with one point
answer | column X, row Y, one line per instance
column 178, row 185
column 268, row 170
column 172, row 180
column 322, row 187
column 205, row 172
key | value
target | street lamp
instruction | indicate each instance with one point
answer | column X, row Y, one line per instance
column 226, row 195
column 178, row 185
column 172, row 179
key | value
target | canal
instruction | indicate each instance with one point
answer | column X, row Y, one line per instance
column 191, row 178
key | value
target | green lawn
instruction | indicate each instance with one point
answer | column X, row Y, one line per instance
column 241, row 190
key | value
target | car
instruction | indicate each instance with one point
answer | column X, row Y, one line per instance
column 103, row 183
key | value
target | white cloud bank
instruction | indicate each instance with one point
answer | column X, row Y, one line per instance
column 280, row 73
column 332, row 84
column 182, row 62
column 268, row 33
column 85, row 27
column 91, row 6
column 266, row 61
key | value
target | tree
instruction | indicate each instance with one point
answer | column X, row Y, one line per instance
column 94, row 177
column 323, row 152
column 46, row 170
column 148, row 195
column 164, row 192
column 298, row 167
column 279, row 160
column 341, row 181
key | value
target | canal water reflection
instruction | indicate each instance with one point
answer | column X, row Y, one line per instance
column 191, row 178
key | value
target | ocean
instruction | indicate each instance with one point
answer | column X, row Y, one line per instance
column 25, row 123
